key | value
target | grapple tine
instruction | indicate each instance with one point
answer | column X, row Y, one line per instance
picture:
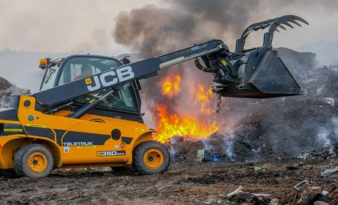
column 286, row 23
column 255, row 27
column 282, row 27
column 300, row 19
column 277, row 30
column 277, row 23
column 295, row 22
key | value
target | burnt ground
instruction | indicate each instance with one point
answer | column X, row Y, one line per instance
column 192, row 183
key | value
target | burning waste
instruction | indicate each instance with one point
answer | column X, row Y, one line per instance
column 180, row 102
column 256, row 129
column 192, row 124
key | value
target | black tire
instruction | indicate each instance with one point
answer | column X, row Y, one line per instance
column 8, row 173
column 142, row 149
column 23, row 167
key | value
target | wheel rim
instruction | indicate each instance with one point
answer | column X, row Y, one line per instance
column 153, row 159
column 37, row 162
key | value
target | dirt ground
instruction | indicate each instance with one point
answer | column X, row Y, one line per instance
column 193, row 183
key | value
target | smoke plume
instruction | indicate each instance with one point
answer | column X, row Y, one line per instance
column 153, row 30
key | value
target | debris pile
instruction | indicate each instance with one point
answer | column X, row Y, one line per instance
column 7, row 89
column 296, row 125
column 328, row 152
column 297, row 132
column 239, row 196
column 304, row 127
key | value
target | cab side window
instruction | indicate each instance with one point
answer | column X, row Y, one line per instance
column 122, row 99
column 77, row 68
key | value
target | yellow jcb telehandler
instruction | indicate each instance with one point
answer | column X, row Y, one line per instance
column 87, row 112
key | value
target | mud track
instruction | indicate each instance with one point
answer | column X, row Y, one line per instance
column 208, row 183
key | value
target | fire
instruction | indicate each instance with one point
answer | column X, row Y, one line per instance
column 192, row 117
column 172, row 125
column 203, row 97
column 171, row 87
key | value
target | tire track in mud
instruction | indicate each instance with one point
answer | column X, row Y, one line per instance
column 182, row 184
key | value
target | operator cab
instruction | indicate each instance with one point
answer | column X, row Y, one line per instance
column 123, row 104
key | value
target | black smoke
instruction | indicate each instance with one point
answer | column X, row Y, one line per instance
column 152, row 30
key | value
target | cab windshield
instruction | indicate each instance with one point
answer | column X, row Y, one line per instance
column 122, row 99
column 76, row 68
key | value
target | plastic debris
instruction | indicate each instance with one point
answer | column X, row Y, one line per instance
column 297, row 186
column 325, row 193
column 256, row 168
column 216, row 158
column 203, row 155
column 330, row 173
column 237, row 191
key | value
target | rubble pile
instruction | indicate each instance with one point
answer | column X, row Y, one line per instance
column 289, row 126
column 186, row 151
column 329, row 151
column 303, row 126
column 295, row 126
column 6, row 90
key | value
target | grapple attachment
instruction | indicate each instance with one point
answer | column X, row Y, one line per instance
column 257, row 72
column 272, row 25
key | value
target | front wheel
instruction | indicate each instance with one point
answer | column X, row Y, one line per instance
column 151, row 158
column 34, row 161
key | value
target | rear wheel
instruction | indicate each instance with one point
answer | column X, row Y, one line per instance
column 34, row 161
column 151, row 158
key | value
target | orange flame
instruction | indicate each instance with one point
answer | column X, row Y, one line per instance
column 185, row 123
column 172, row 125
column 203, row 97
column 171, row 87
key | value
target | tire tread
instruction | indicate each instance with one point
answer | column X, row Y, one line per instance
column 138, row 163
column 19, row 160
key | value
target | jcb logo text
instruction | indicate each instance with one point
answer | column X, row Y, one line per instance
column 111, row 77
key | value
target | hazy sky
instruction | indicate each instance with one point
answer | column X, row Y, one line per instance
column 82, row 26
column 86, row 25
column 62, row 25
